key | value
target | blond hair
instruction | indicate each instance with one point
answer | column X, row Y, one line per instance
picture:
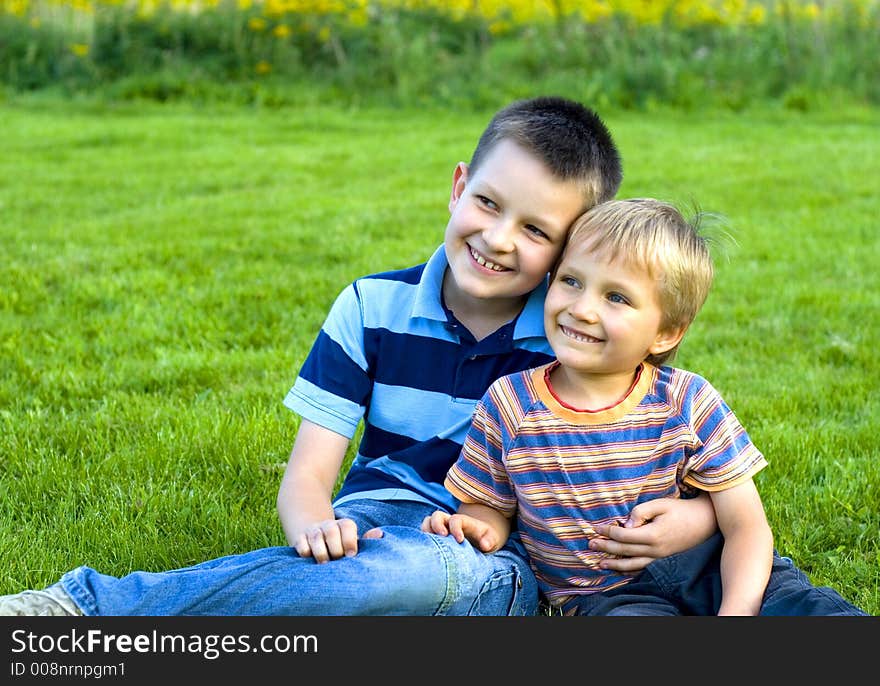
column 655, row 236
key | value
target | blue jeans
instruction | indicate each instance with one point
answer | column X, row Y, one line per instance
column 689, row 583
column 406, row 572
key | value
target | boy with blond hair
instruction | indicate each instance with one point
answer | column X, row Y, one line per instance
column 574, row 445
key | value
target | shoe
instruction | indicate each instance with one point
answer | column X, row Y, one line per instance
column 50, row 602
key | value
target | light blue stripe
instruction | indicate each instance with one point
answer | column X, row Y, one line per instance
column 421, row 415
column 385, row 494
column 421, row 491
column 319, row 406
column 389, row 305
column 343, row 326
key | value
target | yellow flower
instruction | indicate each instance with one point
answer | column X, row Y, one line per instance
column 281, row 31
column 499, row 27
column 263, row 67
column 84, row 6
column 757, row 14
column 79, row 49
column 256, row 24
column 812, row 11
column 19, row 8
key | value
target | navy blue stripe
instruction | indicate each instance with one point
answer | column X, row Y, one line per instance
column 440, row 366
column 516, row 361
column 377, row 442
column 329, row 367
column 411, row 275
column 414, row 361
column 430, row 459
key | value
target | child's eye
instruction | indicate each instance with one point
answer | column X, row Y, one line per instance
column 618, row 298
column 531, row 228
column 570, row 281
column 487, row 202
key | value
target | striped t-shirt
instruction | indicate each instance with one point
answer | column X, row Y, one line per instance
column 390, row 353
column 562, row 471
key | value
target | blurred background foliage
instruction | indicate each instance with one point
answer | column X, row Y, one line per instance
column 631, row 54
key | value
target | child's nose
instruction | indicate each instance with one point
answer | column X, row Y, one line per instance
column 584, row 309
column 499, row 236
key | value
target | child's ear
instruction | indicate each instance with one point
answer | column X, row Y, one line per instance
column 667, row 339
column 459, row 180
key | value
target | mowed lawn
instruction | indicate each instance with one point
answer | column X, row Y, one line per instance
column 165, row 269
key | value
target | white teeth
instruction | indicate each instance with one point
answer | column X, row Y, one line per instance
column 485, row 263
column 576, row 336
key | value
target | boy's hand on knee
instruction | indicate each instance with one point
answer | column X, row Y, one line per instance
column 328, row 540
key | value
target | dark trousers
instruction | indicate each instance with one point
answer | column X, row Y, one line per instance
column 689, row 583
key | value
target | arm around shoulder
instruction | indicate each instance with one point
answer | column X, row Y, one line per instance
column 656, row 528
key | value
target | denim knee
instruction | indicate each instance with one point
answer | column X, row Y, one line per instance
column 480, row 584
column 791, row 594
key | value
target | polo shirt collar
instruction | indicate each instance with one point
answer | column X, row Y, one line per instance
column 429, row 294
column 530, row 323
column 429, row 299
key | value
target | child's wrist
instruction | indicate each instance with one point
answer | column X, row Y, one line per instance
column 739, row 609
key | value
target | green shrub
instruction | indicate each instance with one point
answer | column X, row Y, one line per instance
column 423, row 55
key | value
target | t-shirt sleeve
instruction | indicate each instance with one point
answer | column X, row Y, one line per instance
column 333, row 386
column 479, row 474
column 724, row 455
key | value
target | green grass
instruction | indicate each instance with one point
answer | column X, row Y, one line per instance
column 165, row 269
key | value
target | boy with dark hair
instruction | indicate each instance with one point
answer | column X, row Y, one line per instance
column 410, row 352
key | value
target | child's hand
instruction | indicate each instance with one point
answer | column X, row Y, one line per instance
column 328, row 540
column 461, row 527
column 437, row 523
column 656, row 528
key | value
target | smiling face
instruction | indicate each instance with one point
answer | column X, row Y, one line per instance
column 603, row 317
column 508, row 222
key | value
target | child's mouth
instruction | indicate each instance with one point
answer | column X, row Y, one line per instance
column 578, row 336
column 483, row 262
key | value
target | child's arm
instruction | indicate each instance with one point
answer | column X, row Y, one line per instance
column 304, row 497
column 748, row 548
column 656, row 528
column 485, row 527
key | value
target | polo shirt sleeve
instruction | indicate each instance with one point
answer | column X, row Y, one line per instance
column 479, row 474
column 724, row 455
column 333, row 386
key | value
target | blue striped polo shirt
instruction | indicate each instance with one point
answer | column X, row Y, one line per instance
column 392, row 354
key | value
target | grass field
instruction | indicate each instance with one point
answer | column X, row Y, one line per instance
column 165, row 270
